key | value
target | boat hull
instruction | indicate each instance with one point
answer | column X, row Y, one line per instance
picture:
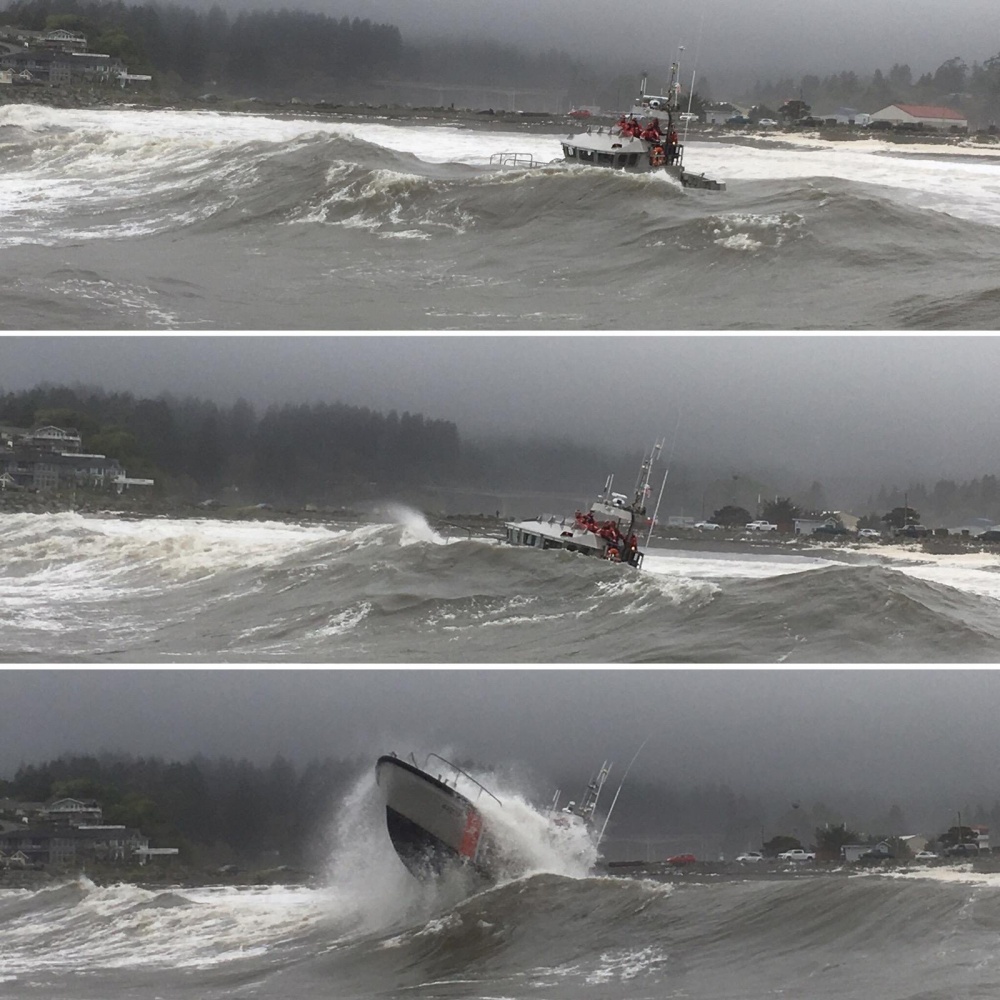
column 565, row 533
column 632, row 155
column 433, row 827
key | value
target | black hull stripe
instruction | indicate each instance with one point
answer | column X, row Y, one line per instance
column 425, row 855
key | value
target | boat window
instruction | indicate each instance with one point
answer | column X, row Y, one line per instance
column 623, row 159
column 569, row 150
column 633, row 159
column 586, row 154
column 606, row 159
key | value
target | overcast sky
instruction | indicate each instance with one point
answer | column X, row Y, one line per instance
column 885, row 409
column 892, row 732
column 765, row 38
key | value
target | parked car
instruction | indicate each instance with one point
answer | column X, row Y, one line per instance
column 738, row 120
column 912, row 531
column 761, row 526
column 990, row 535
column 750, row 856
column 869, row 533
column 925, row 856
column 707, row 525
column 830, row 529
column 797, row 854
column 877, row 854
column 688, row 116
column 962, row 851
column 682, row 859
column 879, row 125
column 767, row 122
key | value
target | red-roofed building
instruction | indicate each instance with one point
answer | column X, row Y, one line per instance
column 921, row 114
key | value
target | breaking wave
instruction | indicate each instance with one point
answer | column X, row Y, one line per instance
column 204, row 590
column 816, row 937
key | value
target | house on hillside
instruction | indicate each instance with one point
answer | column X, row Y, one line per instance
column 45, row 470
column 112, row 842
column 59, row 846
column 72, row 812
column 50, row 458
column 54, row 439
column 97, row 66
column 68, row 41
column 921, row 116
column 51, row 66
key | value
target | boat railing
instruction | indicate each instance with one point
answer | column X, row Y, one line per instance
column 514, row 160
column 465, row 774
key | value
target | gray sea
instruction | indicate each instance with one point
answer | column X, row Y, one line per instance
column 82, row 589
column 128, row 219
column 550, row 937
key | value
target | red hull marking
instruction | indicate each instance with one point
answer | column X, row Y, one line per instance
column 470, row 838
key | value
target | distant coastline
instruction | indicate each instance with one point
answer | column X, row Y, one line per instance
column 183, row 877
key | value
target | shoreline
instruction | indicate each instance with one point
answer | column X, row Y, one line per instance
column 13, row 880
column 931, row 145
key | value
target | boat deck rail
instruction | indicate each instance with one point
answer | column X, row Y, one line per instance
column 458, row 771
column 514, row 160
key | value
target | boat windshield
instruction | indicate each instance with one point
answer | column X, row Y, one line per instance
column 451, row 774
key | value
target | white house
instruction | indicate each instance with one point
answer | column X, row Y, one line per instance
column 55, row 438
column 807, row 525
column 921, row 114
column 72, row 812
column 70, row 41
column 720, row 115
column 680, row 521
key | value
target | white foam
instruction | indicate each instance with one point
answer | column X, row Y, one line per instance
column 716, row 566
column 957, row 874
column 133, row 144
column 531, row 841
column 72, row 547
column 626, row 963
column 416, row 530
column 99, row 930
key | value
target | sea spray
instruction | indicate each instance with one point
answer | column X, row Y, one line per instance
column 415, row 526
column 371, row 891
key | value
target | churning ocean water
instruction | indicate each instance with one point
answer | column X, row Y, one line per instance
column 134, row 219
column 159, row 590
column 370, row 930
